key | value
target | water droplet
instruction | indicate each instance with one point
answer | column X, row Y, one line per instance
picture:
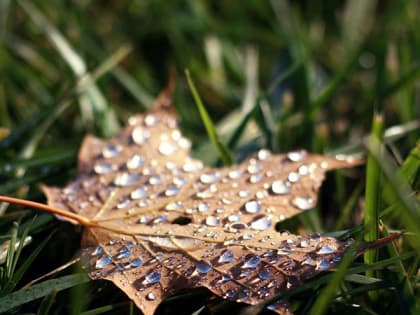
column 212, row 220
column 192, row 166
column 151, row 296
column 152, row 277
column 167, row 148
column 293, row 177
column 103, row 262
column 264, row 274
column 103, row 168
column 237, row 227
column 235, row 174
column 304, row 244
column 130, row 244
column 303, row 170
column 202, row 267
column 179, row 181
column 203, row 207
column 155, row 180
column 297, row 156
column 139, row 193
column 252, row 206
column 229, row 294
column 97, row 251
column 326, row 250
column 234, row 218
column 254, row 168
column 209, row 178
column 126, row 179
column 322, row 265
column 177, row 205
column 307, row 261
column 124, row 253
column 242, row 296
column 226, row 257
column 124, row 204
column 251, row 261
column 160, row 219
column 247, row 237
column 263, row 154
column 280, row 187
column 140, row 135
column 255, row 178
column 244, row 193
column 135, row 161
column 261, row 224
column 150, row 120
column 171, row 191
column 303, row 203
column 110, row 151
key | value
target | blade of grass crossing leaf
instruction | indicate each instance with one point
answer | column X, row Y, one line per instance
column 327, row 294
column 211, row 130
column 47, row 303
column 371, row 218
column 37, row 291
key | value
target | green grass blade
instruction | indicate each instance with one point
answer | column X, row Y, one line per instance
column 47, row 303
column 40, row 290
column 371, row 218
column 211, row 130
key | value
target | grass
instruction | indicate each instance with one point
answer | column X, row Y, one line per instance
column 277, row 74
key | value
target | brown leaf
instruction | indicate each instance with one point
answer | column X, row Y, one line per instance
column 133, row 190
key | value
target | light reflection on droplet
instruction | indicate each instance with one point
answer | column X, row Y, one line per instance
column 251, row 261
column 303, row 203
column 202, row 267
column 280, row 187
column 226, row 257
column 212, row 220
column 103, row 262
column 152, row 277
column 126, row 179
column 139, row 193
column 261, row 224
column 252, row 206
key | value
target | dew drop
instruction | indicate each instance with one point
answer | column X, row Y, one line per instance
column 297, row 156
column 244, row 193
column 251, row 261
column 139, row 193
column 202, row 267
column 263, row 154
column 160, row 219
column 322, row 265
column 226, row 257
column 303, row 170
column 155, row 180
column 326, row 250
column 261, row 224
column 150, row 120
column 235, row 174
column 172, row 206
column 264, row 274
column 124, row 204
column 280, row 187
column 192, row 166
column 103, row 262
column 212, row 220
column 103, row 168
column 171, row 191
column 124, row 253
column 203, row 207
column 126, row 179
column 252, row 206
column 152, row 277
column 293, row 177
column 255, row 178
column 110, row 151
column 303, row 203
column 167, row 148
column 179, row 181
column 209, row 178
column 135, row 161
column 140, row 135
column 247, row 237
column 234, row 218
column 151, row 296
column 254, row 168
column 97, row 251
column 229, row 294
column 304, row 244
column 307, row 261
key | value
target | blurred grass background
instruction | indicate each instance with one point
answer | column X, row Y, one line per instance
column 277, row 74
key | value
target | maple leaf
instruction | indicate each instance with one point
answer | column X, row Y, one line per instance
column 132, row 191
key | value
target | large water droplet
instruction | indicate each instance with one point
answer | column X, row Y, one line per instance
column 326, row 250
column 110, row 151
column 254, row 168
column 263, row 154
column 322, row 265
column 155, row 180
column 171, row 191
column 124, row 204
column 264, row 274
column 136, row 263
column 179, row 181
column 229, row 294
column 139, row 193
column 126, row 179
column 226, row 257
column 251, row 261
column 152, row 277
column 135, row 161
column 124, row 253
column 209, row 178
column 203, row 207
column 293, row 177
column 192, row 166
column 167, row 148
column 103, row 262
column 303, row 203
column 140, row 135
column 202, row 267
column 244, row 193
column 252, row 206
column 261, row 224
column 280, row 187
column 97, row 251
column 103, row 168
column 235, row 174
column 172, row 206
column 234, row 218
column 150, row 120
column 297, row 156
column 212, row 220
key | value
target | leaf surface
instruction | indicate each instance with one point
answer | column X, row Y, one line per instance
column 138, row 188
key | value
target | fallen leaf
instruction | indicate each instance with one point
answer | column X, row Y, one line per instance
column 158, row 221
